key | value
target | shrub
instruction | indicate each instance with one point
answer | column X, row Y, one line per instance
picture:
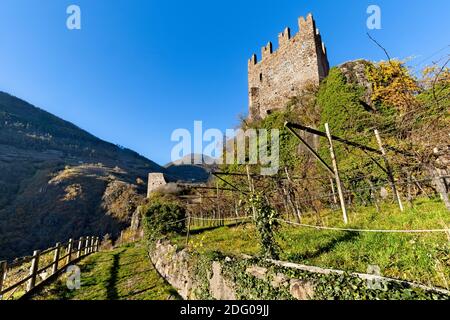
column 162, row 218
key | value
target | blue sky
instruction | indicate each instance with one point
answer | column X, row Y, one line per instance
column 139, row 69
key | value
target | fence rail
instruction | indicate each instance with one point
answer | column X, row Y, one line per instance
column 63, row 256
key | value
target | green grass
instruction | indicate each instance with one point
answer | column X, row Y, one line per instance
column 424, row 258
column 124, row 273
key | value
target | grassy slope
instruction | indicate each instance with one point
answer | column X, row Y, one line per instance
column 124, row 273
column 424, row 258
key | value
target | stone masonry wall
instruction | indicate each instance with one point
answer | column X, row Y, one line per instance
column 179, row 267
column 155, row 181
column 300, row 60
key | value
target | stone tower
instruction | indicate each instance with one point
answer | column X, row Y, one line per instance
column 282, row 74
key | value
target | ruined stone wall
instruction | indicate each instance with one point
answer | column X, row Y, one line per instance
column 155, row 181
column 300, row 60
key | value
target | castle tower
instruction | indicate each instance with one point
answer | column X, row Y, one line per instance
column 280, row 75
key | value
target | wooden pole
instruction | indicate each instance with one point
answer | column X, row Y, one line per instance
column 373, row 195
column 80, row 247
column 441, row 187
column 91, row 247
column 311, row 149
column 296, row 209
column 69, row 251
column 333, row 191
column 336, row 173
column 420, row 187
column 3, row 265
column 250, row 180
column 252, row 189
column 56, row 258
column 86, row 245
column 409, row 181
column 33, row 270
column 389, row 171
column 188, row 230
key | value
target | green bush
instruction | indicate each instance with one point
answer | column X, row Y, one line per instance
column 163, row 218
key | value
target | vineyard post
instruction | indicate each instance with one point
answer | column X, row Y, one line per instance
column 188, row 229
column 441, row 187
column 336, row 173
column 252, row 190
column 389, row 171
column 410, row 201
column 373, row 195
column 333, row 191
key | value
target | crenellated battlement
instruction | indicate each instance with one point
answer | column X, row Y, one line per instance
column 307, row 31
column 282, row 73
column 267, row 50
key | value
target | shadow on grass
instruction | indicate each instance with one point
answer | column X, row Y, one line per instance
column 347, row 237
column 204, row 229
column 111, row 289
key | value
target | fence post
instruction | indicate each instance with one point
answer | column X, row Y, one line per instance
column 2, row 274
column 69, row 249
column 389, row 170
column 91, row 247
column 188, row 230
column 33, row 270
column 80, row 247
column 56, row 258
column 336, row 173
column 97, row 240
column 86, row 245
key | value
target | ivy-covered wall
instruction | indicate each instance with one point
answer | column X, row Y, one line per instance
column 214, row 276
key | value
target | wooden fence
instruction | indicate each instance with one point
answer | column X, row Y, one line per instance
column 37, row 266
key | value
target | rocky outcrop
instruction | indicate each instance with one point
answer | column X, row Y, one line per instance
column 355, row 73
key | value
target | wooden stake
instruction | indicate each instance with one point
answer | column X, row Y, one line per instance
column 332, row 190
column 410, row 202
column 80, row 247
column 441, row 187
column 188, row 230
column 336, row 173
column 373, row 195
column 3, row 265
column 33, row 270
column 69, row 251
column 420, row 187
column 252, row 190
column 311, row 149
column 250, row 180
column 294, row 204
column 86, row 246
column 389, row 171
column 56, row 258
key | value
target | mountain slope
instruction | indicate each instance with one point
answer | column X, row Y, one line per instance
column 191, row 168
column 59, row 181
